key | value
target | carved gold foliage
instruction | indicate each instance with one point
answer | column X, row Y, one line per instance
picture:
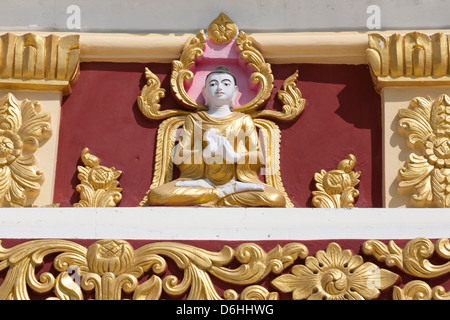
column 427, row 171
column 420, row 290
column 335, row 275
column 293, row 103
column 151, row 94
column 98, row 186
column 336, row 188
column 405, row 59
column 111, row 268
column 33, row 62
column 262, row 75
column 181, row 72
column 22, row 130
column 414, row 258
column 222, row 30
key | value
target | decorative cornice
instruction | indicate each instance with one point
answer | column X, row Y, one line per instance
column 413, row 59
column 277, row 48
column 33, row 62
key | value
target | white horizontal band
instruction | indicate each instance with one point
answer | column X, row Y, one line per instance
column 246, row 224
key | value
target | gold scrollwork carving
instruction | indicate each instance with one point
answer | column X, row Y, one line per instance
column 32, row 62
column 427, row 171
column 262, row 75
column 98, row 186
column 414, row 259
column 151, row 94
column 22, row 130
column 336, row 188
column 181, row 72
column 420, row 290
column 113, row 268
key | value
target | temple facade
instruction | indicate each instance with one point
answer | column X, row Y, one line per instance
column 319, row 168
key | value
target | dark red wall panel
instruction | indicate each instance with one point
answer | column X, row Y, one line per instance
column 342, row 116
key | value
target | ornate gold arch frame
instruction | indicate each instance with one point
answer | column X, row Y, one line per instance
column 221, row 31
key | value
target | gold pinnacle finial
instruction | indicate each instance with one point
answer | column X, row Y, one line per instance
column 222, row 30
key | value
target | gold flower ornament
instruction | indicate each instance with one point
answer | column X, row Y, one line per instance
column 335, row 275
column 22, row 130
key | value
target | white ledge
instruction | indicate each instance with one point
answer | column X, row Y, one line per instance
column 246, row 224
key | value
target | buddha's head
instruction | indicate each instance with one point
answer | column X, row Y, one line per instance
column 220, row 88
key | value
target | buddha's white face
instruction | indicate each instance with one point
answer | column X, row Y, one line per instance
column 220, row 90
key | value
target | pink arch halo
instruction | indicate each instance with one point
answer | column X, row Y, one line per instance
column 227, row 55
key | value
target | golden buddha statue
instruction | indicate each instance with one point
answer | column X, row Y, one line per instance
column 218, row 155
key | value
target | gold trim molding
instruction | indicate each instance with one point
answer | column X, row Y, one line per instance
column 33, row 62
column 413, row 59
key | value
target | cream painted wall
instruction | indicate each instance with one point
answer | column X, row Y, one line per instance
column 165, row 16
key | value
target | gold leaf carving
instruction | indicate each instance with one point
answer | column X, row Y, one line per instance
column 262, row 75
column 335, row 275
column 411, row 59
column 222, row 30
column 98, row 186
column 32, row 62
column 181, row 72
column 292, row 99
column 336, row 188
column 414, row 290
column 427, row 169
column 413, row 259
column 420, row 290
column 112, row 267
column 22, row 130
column 150, row 96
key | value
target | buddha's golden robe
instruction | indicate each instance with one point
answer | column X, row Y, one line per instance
column 240, row 131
